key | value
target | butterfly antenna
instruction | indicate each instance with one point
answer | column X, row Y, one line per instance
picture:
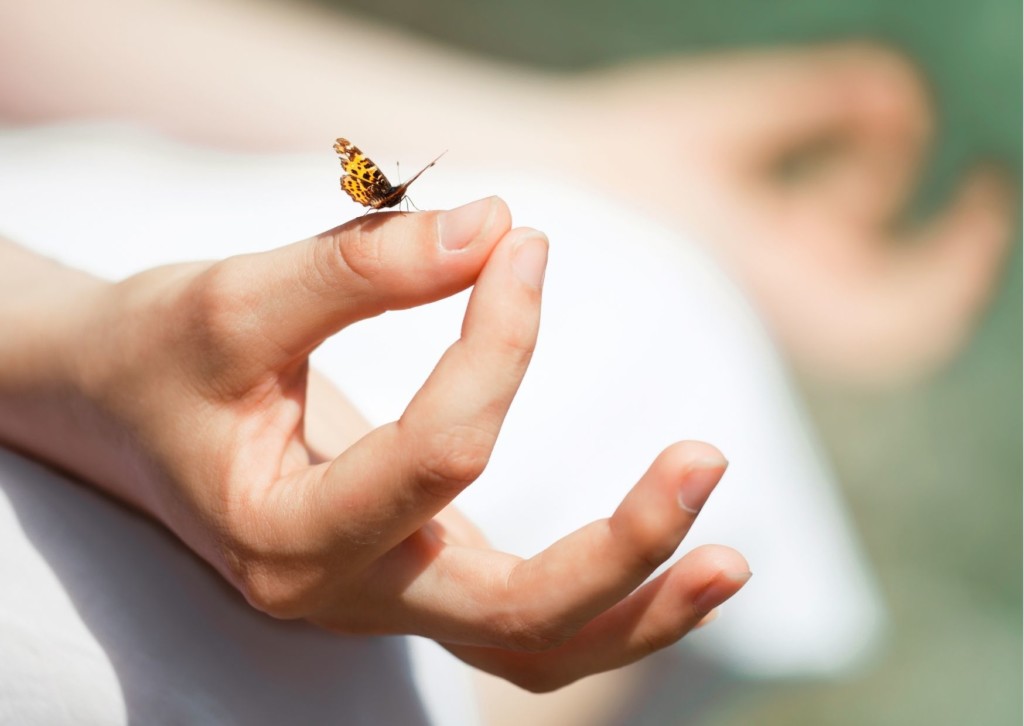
column 406, row 184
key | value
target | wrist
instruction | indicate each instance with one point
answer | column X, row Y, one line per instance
column 44, row 313
column 42, row 308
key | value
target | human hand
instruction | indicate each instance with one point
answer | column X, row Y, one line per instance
column 699, row 142
column 696, row 141
column 185, row 391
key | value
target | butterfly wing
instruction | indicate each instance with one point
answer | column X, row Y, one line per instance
column 362, row 180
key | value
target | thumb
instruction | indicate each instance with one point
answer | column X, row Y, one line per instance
column 300, row 294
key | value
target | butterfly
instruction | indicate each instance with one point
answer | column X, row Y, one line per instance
column 365, row 182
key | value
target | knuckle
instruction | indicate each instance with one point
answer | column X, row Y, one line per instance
column 454, row 459
column 647, row 544
column 529, row 634
column 653, row 553
column 661, row 633
column 537, row 640
column 222, row 305
column 649, row 642
column 279, row 579
column 274, row 595
column 351, row 252
column 518, row 348
column 283, row 584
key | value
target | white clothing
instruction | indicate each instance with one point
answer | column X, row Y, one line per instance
column 106, row 618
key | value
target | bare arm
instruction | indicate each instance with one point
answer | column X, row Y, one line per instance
column 184, row 391
column 263, row 75
column 847, row 296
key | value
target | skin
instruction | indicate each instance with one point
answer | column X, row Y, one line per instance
column 851, row 294
column 185, row 392
column 853, row 289
column 837, row 281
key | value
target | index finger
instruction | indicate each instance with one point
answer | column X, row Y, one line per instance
column 400, row 475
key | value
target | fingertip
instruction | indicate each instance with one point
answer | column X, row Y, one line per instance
column 685, row 454
column 404, row 259
column 714, row 559
column 486, row 219
column 726, row 572
column 687, row 470
column 530, row 257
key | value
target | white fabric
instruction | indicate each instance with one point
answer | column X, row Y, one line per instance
column 106, row 619
column 643, row 343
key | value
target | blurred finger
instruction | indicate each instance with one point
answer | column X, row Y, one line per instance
column 952, row 270
column 857, row 114
column 916, row 300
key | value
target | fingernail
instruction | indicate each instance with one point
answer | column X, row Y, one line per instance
column 718, row 591
column 530, row 258
column 699, row 482
column 460, row 226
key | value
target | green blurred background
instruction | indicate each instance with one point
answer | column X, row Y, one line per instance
column 932, row 471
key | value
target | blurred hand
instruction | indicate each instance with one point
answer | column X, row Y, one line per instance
column 185, row 391
column 697, row 141
column 701, row 142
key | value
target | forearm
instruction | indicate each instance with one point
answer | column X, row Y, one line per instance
column 265, row 76
column 37, row 305
column 43, row 313
column 184, row 390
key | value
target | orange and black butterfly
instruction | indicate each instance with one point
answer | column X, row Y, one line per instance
column 364, row 181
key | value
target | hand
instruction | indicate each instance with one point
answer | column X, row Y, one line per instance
column 186, row 392
column 694, row 140
column 700, row 142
